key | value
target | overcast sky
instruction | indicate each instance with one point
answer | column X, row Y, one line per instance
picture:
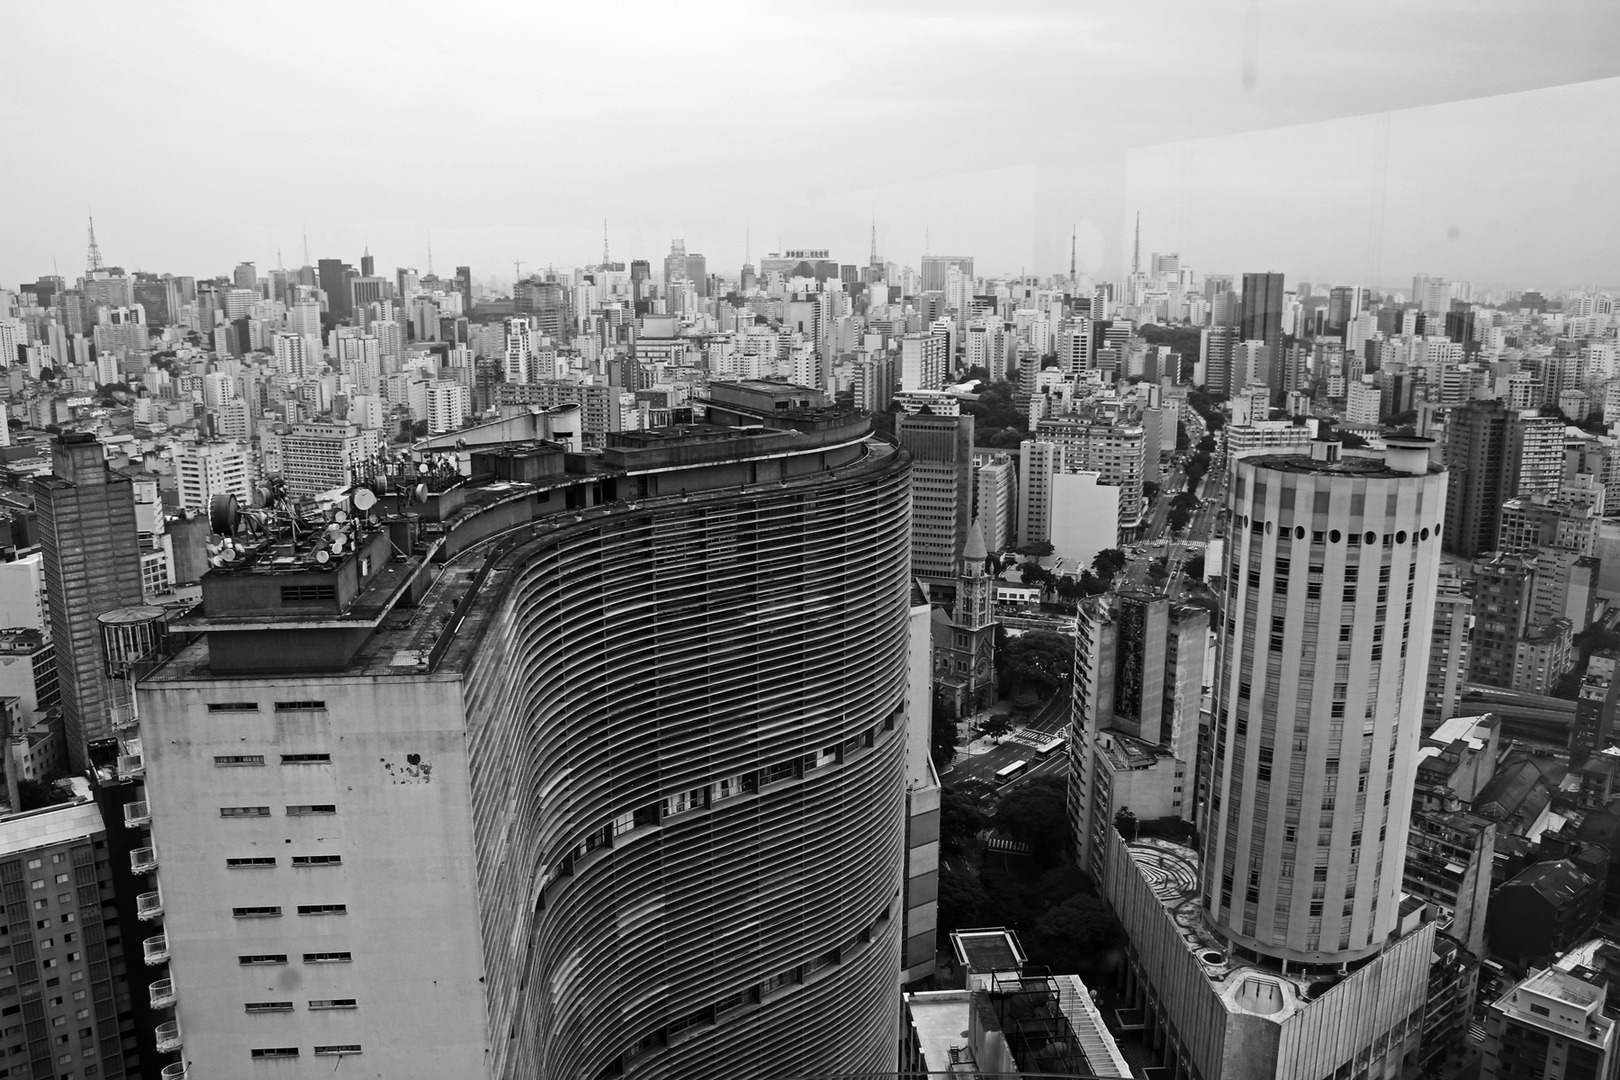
column 1350, row 142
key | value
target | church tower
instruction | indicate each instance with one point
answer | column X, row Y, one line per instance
column 972, row 583
column 965, row 641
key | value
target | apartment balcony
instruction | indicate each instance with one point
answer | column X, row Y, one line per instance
column 156, row 949
column 137, row 814
column 143, row 860
column 123, row 718
column 177, row 1071
column 162, row 993
column 168, row 1037
column 149, row 906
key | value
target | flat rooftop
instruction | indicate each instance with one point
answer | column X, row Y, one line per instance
column 437, row 636
column 1171, row 869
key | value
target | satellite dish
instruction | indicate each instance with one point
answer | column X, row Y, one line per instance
column 323, row 556
column 364, row 499
column 222, row 514
column 228, row 555
column 420, row 493
column 258, row 497
column 337, row 545
column 340, row 516
column 422, row 468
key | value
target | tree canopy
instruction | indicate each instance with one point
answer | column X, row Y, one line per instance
column 962, row 900
column 1040, row 662
column 1036, row 813
column 962, row 814
column 1072, row 933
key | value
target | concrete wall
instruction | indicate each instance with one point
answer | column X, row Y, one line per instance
column 398, row 777
column 1085, row 517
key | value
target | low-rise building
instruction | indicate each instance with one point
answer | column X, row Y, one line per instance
column 1550, row 1025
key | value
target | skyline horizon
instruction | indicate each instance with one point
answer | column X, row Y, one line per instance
column 532, row 267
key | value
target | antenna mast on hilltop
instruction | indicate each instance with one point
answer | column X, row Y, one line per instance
column 1074, row 232
column 1136, row 252
column 93, row 256
column 605, row 259
column 873, row 260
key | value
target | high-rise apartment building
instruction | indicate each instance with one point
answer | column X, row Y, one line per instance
column 1535, row 454
column 1476, row 465
column 204, row 470
column 448, row 404
column 941, row 490
column 87, row 530
column 936, row 270
column 1448, row 652
column 1331, row 573
column 1117, row 452
column 1138, row 685
column 1307, row 782
column 1037, row 462
column 334, row 281
column 620, row 823
column 1262, row 309
column 320, row 457
column 1217, row 346
column 995, row 500
column 924, row 361
column 70, row 971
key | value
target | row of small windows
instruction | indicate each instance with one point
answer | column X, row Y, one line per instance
column 292, row 1051
column 274, row 912
column 297, row 860
column 301, row 810
column 229, row 760
column 1334, row 536
column 265, row 959
column 253, row 706
column 287, row 1006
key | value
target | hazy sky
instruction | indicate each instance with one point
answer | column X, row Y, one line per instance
column 1360, row 141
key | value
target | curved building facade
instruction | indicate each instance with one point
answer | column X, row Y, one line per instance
column 691, row 774
column 1331, row 576
column 604, row 777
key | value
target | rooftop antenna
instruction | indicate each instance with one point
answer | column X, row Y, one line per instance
column 306, row 245
column 1136, row 253
column 430, row 252
column 605, row 259
column 278, row 259
column 873, row 260
column 517, row 271
column 1074, row 233
column 93, row 256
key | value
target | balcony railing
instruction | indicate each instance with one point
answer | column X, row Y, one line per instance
column 168, row 1037
column 149, row 906
column 143, row 860
column 162, row 993
column 177, row 1071
column 156, row 949
column 137, row 814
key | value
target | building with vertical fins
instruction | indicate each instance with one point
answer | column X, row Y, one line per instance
column 1286, row 946
column 1138, row 685
column 592, row 766
column 92, row 556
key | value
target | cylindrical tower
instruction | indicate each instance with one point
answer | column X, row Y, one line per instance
column 1331, row 575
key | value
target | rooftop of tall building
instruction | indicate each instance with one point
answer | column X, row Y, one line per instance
column 1260, row 985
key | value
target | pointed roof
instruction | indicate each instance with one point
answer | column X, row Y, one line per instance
column 974, row 551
